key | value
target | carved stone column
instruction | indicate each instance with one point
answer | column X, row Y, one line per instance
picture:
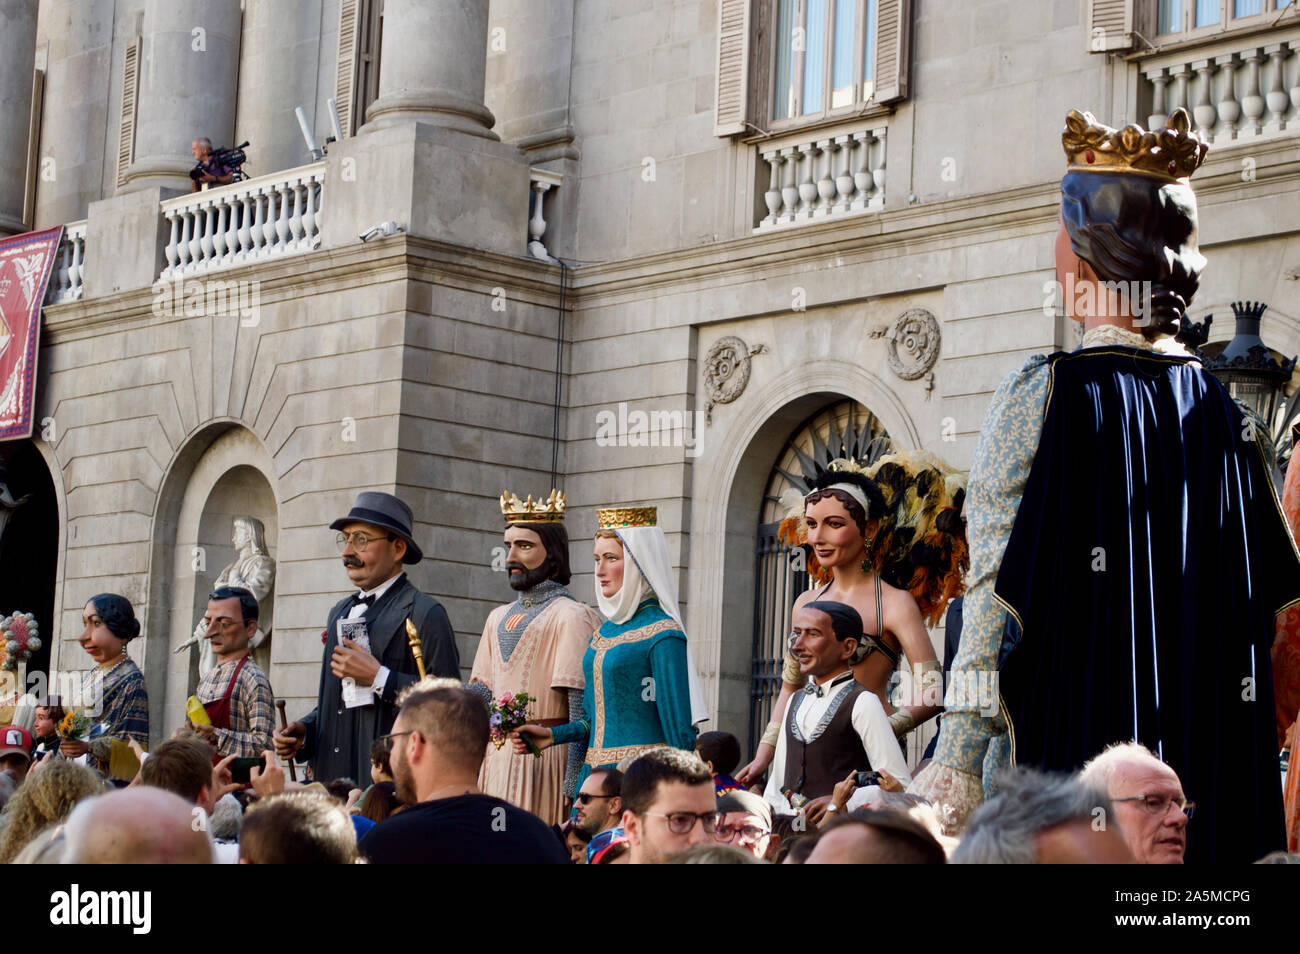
column 433, row 64
column 189, row 69
column 279, row 65
column 74, row 115
column 17, row 60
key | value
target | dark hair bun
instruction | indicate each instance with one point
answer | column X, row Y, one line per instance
column 118, row 615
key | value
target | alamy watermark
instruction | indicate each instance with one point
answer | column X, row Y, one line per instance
column 210, row 298
column 623, row 428
column 72, row 689
column 1100, row 298
column 968, row 690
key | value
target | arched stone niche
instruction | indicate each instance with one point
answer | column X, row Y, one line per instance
column 222, row 472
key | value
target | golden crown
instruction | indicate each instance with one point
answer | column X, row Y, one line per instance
column 1172, row 153
column 611, row 518
column 550, row 510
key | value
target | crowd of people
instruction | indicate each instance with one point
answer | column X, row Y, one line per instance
column 1114, row 655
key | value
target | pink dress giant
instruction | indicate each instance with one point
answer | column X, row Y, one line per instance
column 546, row 663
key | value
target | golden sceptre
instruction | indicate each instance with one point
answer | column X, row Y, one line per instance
column 413, row 638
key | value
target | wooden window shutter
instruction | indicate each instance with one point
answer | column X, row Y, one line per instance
column 731, row 108
column 345, row 81
column 130, row 89
column 1110, row 25
column 893, row 50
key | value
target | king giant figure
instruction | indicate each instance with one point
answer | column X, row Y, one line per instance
column 535, row 645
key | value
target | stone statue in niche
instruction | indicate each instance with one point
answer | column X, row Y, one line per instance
column 254, row 570
column 7, row 502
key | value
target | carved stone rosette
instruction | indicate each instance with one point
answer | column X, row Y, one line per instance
column 726, row 371
column 913, row 343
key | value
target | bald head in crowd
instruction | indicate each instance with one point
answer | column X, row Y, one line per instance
column 868, row 837
column 136, row 826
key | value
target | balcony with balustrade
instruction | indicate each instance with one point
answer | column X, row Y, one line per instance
column 254, row 221
column 823, row 174
column 1242, row 90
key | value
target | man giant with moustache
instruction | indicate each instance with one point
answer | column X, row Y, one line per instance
column 367, row 657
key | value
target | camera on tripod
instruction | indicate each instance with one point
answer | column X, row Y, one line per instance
column 232, row 158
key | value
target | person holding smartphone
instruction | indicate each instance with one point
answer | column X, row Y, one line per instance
column 834, row 724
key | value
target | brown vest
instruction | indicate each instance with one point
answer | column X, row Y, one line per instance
column 815, row 766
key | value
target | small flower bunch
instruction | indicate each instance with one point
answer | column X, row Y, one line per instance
column 18, row 639
column 506, row 715
column 74, row 726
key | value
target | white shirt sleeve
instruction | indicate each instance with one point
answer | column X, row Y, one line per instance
column 872, row 726
column 776, row 773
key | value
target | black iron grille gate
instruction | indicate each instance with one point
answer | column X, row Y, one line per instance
column 776, row 584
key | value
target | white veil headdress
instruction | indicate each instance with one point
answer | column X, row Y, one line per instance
column 648, row 573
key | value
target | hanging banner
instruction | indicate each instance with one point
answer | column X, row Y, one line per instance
column 25, row 264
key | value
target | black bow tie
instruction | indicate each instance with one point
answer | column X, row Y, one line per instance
column 358, row 599
column 815, row 690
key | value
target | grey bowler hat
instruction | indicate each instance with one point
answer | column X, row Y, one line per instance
column 387, row 511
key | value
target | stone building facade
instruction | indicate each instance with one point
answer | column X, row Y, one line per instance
column 736, row 217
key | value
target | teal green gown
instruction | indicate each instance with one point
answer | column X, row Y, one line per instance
column 637, row 694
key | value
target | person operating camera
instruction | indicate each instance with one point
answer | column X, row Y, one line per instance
column 209, row 170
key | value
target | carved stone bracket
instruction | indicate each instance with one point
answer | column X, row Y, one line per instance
column 726, row 371
column 913, row 343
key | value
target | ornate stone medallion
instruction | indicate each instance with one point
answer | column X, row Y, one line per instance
column 726, row 371
column 913, row 343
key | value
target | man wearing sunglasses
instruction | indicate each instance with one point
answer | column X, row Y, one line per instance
column 1150, row 808
column 668, row 805
column 367, row 657
column 599, row 803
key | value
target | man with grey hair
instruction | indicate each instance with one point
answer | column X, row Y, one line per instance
column 208, row 172
column 1150, row 807
column 142, row 825
column 1039, row 818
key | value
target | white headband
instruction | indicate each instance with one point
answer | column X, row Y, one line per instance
column 853, row 490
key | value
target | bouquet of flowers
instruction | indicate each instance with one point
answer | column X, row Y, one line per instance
column 507, row 714
column 18, row 639
column 74, row 726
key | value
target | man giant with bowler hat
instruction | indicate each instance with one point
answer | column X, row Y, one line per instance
column 359, row 686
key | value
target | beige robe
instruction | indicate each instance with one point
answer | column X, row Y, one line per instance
column 546, row 663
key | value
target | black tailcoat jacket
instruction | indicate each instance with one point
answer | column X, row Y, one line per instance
column 338, row 738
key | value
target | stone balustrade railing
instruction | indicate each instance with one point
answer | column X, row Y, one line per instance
column 267, row 217
column 540, row 182
column 65, row 280
column 823, row 174
column 1236, row 90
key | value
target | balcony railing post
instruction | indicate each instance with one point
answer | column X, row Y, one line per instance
column 1236, row 90
column 834, row 172
column 244, row 222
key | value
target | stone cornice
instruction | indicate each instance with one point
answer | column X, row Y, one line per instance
column 888, row 234
column 321, row 272
column 891, row 232
column 920, row 228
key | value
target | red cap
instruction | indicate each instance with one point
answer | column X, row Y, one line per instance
column 13, row 739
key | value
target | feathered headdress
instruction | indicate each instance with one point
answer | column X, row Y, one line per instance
column 920, row 541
